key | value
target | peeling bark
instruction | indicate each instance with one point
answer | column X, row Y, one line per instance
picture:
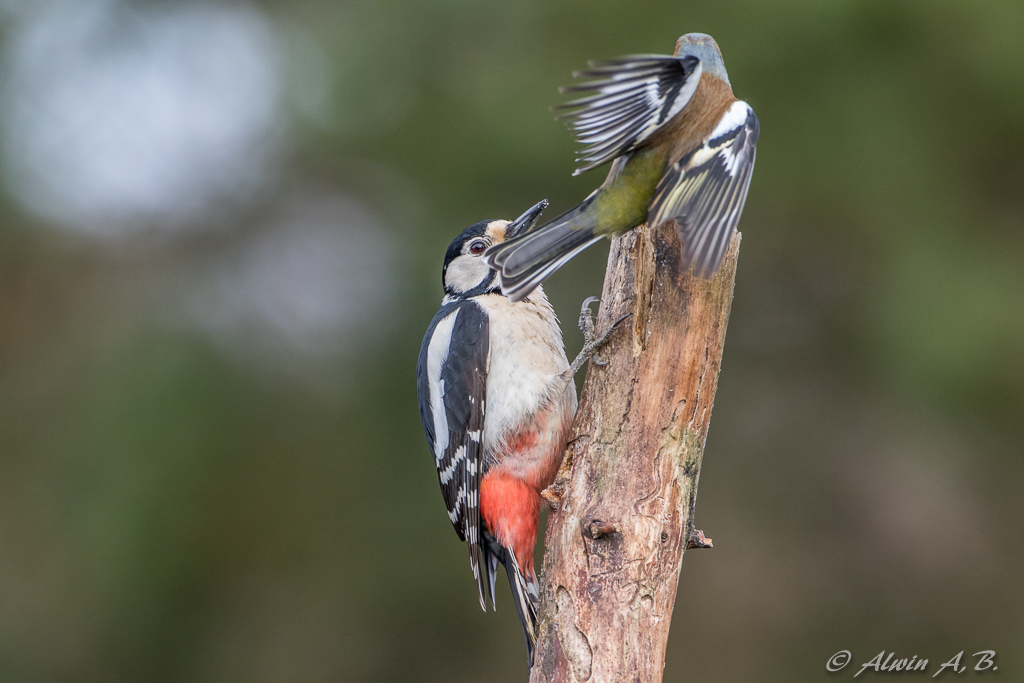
column 628, row 485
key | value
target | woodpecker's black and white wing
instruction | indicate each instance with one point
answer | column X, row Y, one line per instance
column 451, row 383
column 633, row 97
column 704, row 192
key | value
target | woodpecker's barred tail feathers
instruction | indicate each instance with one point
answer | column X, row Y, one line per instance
column 452, row 378
column 523, row 262
column 705, row 190
column 635, row 95
column 525, row 594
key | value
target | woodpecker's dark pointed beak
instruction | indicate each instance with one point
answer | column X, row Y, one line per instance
column 525, row 223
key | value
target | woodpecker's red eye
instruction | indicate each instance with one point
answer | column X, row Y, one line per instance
column 477, row 247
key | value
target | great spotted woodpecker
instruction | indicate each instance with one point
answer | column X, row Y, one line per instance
column 683, row 148
column 496, row 407
column 497, row 400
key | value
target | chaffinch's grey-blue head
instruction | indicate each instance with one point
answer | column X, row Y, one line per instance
column 703, row 47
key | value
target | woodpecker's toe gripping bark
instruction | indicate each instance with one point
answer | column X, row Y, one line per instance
column 591, row 345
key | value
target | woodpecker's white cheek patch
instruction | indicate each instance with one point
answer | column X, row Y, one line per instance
column 437, row 354
column 465, row 273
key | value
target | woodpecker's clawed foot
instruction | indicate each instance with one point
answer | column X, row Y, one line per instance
column 586, row 323
column 591, row 345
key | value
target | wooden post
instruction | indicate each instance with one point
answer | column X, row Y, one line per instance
column 628, row 485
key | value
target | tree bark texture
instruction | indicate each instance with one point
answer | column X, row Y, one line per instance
column 628, row 484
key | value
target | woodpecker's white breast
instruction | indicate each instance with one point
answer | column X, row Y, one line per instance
column 525, row 366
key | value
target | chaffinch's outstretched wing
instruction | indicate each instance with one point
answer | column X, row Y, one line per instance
column 634, row 96
column 705, row 190
column 451, row 383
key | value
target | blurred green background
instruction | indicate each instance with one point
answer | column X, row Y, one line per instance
column 221, row 232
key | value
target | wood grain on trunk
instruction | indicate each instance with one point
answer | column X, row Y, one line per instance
column 629, row 481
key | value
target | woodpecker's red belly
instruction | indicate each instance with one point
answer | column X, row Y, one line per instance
column 526, row 464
